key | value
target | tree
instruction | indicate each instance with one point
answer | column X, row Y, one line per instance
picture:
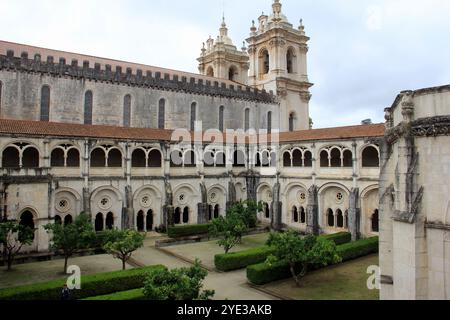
column 122, row 244
column 13, row 236
column 247, row 210
column 71, row 238
column 184, row 284
column 302, row 252
column 229, row 230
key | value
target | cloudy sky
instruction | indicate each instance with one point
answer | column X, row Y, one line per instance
column 362, row 52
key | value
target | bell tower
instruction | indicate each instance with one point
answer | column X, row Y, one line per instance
column 222, row 59
column 278, row 62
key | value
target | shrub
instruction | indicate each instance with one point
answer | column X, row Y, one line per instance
column 260, row 274
column 131, row 295
column 242, row 259
column 186, row 231
column 91, row 286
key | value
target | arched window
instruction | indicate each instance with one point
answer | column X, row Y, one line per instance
column 176, row 159
column 11, row 158
column 99, row 222
column 216, row 211
column 140, row 221
column 98, row 158
column 27, row 220
column 193, row 115
column 308, row 159
column 58, row 220
column 287, row 160
column 324, row 162
column 370, row 158
column 177, row 216
column 115, row 158
column 348, row 159
column 247, row 119
column 208, row 159
column 30, row 158
column 210, row 72
column 375, row 221
column 45, row 103
column 210, row 212
column 336, row 158
column 220, row 160
column 269, row 122
column 232, row 73
column 340, row 219
column 57, row 158
column 295, row 214
column 330, row 218
column 162, row 114
column 267, row 211
column 239, row 159
column 221, row 118
column 88, row 102
column 149, row 222
column 265, row 159
column 110, row 221
column 290, row 61
column 138, row 159
column 154, row 159
column 73, row 158
column 302, row 215
column 68, row 220
column 297, row 158
column 292, row 122
column 264, row 61
column 127, row 111
column 190, row 160
column 186, row 215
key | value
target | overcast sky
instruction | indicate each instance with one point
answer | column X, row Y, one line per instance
column 362, row 53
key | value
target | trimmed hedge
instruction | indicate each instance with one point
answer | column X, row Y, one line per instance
column 189, row 230
column 131, row 295
column 260, row 274
column 91, row 285
column 242, row 259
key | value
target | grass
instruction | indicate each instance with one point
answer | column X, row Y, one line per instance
column 347, row 281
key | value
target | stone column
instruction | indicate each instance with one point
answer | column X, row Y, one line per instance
column 128, row 216
column 354, row 214
column 312, row 211
column 203, row 206
column 276, row 209
column 231, row 198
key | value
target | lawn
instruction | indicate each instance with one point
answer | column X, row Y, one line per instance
column 347, row 281
column 205, row 251
column 37, row 272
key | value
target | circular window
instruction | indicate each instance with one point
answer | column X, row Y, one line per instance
column 182, row 198
column 339, row 197
column 63, row 205
column 301, row 197
column 146, row 201
column 105, row 203
column 213, row 197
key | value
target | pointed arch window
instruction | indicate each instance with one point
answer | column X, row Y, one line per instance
column 193, row 115
column 127, row 111
column 269, row 122
column 162, row 114
column 247, row 119
column 264, row 61
column 290, row 61
column 292, row 122
column 88, row 101
column 221, row 118
column 45, row 104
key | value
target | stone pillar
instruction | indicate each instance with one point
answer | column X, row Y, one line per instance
column 276, row 209
column 87, row 202
column 312, row 211
column 169, row 212
column 231, row 198
column 252, row 185
column 128, row 217
column 354, row 214
column 203, row 206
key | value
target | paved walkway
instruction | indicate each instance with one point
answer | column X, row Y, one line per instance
column 230, row 285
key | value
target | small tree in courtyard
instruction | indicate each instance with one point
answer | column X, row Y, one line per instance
column 229, row 229
column 301, row 252
column 13, row 236
column 247, row 211
column 178, row 284
column 122, row 244
column 71, row 238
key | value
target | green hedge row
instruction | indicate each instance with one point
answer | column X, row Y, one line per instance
column 131, row 295
column 242, row 259
column 260, row 274
column 189, row 230
column 91, row 286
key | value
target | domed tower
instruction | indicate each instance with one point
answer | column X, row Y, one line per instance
column 222, row 59
column 278, row 62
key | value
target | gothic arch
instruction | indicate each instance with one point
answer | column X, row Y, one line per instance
column 328, row 185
